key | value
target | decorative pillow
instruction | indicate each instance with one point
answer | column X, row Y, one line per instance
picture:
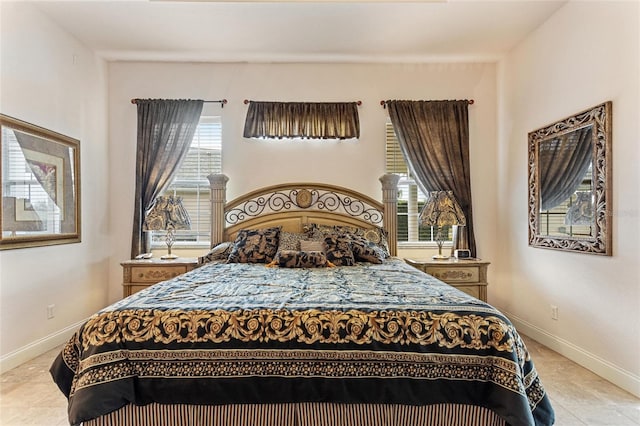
column 290, row 240
column 316, row 230
column 301, row 259
column 255, row 246
column 376, row 234
column 366, row 251
column 338, row 250
column 311, row 245
column 219, row 252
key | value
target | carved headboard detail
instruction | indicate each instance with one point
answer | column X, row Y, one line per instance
column 292, row 205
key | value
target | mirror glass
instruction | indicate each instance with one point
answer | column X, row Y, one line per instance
column 568, row 183
column 40, row 186
column 566, row 189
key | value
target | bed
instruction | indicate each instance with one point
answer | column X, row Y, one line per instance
column 260, row 342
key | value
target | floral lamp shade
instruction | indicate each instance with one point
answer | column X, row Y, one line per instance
column 442, row 209
column 167, row 214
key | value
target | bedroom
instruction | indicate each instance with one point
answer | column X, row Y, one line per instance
column 51, row 79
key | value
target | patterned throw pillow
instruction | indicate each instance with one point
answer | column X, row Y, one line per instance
column 219, row 252
column 366, row 251
column 316, row 230
column 255, row 246
column 290, row 240
column 301, row 259
column 338, row 250
column 376, row 234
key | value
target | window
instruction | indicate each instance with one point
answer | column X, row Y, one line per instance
column 191, row 183
column 557, row 222
column 411, row 199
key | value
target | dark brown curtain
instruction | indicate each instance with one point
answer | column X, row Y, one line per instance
column 563, row 164
column 434, row 138
column 307, row 120
column 165, row 132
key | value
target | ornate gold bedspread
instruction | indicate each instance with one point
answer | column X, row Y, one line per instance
column 244, row 333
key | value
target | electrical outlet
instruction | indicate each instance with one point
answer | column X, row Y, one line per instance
column 554, row 312
column 50, row 311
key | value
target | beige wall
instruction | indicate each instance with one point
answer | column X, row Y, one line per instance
column 252, row 164
column 585, row 54
column 49, row 79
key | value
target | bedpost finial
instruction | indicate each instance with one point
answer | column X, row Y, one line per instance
column 218, row 180
column 389, row 181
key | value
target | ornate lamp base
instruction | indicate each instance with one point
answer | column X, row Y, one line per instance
column 169, row 239
column 439, row 257
column 440, row 242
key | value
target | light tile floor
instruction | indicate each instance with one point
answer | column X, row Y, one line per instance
column 28, row 396
column 578, row 396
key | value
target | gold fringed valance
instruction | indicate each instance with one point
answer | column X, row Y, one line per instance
column 306, row 120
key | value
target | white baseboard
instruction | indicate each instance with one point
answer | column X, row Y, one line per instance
column 34, row 349
column 603, row 368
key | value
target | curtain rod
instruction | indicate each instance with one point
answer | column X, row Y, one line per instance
column 246, row 101
column 221, row 101
column 384, row 103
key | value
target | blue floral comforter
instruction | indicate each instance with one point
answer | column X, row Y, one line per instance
column 246, row 333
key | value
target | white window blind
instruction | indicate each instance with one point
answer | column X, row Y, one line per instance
column 191, row 183
column 395, row 159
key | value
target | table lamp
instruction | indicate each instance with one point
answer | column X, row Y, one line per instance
column 167, row 214
column 442, row 209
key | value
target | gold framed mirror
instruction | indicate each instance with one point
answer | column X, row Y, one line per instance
column 40, row 175
column 570, row 183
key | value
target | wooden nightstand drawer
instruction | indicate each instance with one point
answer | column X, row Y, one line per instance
column 140, row 274
column 129, row 289
column 471, row 290
column 155, row 274
column 469, row 276
column 455, row 275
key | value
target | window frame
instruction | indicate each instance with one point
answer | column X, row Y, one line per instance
column 201, row 238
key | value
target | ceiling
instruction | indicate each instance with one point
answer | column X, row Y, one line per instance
column 300, row 31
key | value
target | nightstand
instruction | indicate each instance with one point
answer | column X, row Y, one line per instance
column 469, row 276
column 142, row 273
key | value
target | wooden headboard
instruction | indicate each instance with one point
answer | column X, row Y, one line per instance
column 292, row 205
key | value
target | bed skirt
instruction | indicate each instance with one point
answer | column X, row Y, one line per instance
column 300, row 414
